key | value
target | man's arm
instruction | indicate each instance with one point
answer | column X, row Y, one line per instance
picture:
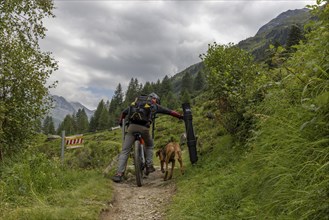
column 162, row 110
column 124, row 113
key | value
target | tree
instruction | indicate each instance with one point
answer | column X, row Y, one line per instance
column 294, row 36
column 199, row 81
column 185, row 96
column 170, row 100
column 98, row 112
column 103, row 121
column 231, row 79
column 156, row 87
column 92, row 124
column 82, row 121
column 133, row 90
column 24, row 70
column 147, row 89
column 68, row 125
column 38, row 126
column 231, row 73
column 165, row 87
column 116, row 106
column 271, row 57
column 187, row 82
column 48, row 125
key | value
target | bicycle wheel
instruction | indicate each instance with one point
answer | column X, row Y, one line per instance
column 138, row 163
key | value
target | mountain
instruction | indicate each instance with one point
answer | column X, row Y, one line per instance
column 176, row 80
column 275, row 31
column 61, row 108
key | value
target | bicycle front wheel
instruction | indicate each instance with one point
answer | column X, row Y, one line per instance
column 138, row 163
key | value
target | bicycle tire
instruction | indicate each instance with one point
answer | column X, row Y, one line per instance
column 138, row 163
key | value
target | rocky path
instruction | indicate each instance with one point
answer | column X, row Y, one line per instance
column 146, row 202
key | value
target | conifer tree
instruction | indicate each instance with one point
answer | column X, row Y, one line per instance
column 133, row 90
column 170, row 100
column 92, row 124
column 82, row 121
column 199, row 81
column 187, row 82
column 147, row 89
column 294, row 36
column 98, row 113
column 116, row 106
column 165, row 87
column 68, row 125
column 48, row 125
column 103, row 121
column 117, row 99
column 157, row 87
column 185, row 96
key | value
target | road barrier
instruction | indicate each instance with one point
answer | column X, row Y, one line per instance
column 70, row 142
column 74, row 141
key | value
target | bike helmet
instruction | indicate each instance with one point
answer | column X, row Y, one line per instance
column 155, row 96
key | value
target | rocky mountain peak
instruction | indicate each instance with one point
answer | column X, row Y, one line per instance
column 62, row 107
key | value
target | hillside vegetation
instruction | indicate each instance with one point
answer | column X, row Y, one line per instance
column 262, row 145
column 279, row 169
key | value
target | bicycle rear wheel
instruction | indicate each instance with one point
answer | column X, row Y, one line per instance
column 138, row 163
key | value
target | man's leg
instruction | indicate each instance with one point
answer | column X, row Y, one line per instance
column 124, row 154
column 123, row 157
column 148, row 151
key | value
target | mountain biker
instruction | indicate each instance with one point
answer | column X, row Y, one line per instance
column 144, row 128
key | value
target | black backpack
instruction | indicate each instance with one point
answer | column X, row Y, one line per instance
column 140, row 110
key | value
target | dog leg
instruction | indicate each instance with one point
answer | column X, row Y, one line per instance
column 162, row 165
column 181, row 166
column 168, row 156
column 172, row 169
column 166, row 172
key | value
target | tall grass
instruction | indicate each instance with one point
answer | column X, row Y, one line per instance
column 292, row 168
column 36, row 185
column 281, row 172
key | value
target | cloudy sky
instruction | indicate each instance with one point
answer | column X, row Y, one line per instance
column 100, row 44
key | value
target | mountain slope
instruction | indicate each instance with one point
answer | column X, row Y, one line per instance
column 276, row 31
column 176, row 80
column 61, row 108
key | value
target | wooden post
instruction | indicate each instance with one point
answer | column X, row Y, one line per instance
column 63, row 146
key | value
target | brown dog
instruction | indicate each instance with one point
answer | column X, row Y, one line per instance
column 170, row 153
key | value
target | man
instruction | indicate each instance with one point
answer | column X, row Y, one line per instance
column 141, row 123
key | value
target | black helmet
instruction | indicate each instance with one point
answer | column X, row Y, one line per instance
column 155, row 96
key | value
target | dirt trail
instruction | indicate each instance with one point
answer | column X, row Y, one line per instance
column 146, row 202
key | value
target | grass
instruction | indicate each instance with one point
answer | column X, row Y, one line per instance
column 281, row 172
column 83, row 200
column 35, row 185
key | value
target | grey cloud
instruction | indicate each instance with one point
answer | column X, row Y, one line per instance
column 113, row 41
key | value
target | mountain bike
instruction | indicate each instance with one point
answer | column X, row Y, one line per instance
column 139, row 158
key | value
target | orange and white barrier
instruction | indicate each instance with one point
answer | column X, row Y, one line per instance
column 74, row 141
